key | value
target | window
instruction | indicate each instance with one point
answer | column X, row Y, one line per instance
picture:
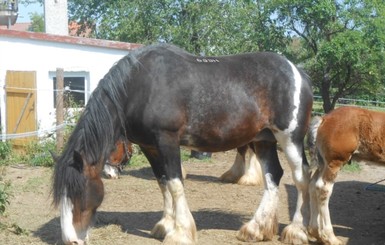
column 74, row 88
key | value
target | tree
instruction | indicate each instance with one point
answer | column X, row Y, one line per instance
column 202, row 27
column 343, row 44
column 37, row 23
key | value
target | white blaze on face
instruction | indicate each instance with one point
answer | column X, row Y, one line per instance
column 69, row 234
column 110, row 171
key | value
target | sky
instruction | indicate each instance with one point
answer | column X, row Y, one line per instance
column 24, row 11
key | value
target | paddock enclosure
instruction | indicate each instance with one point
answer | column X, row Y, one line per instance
column 131, row 206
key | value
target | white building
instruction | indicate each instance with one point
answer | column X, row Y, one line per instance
column 28, row 64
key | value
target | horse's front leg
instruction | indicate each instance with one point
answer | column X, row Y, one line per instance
column 167, row 223
column 264, row 225
column 177, row 225
column 184, row 231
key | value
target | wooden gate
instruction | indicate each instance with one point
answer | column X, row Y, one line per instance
column 20, row 87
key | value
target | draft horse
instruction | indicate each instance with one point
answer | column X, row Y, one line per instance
column 344, row 134
column 120, row 156
column 246, row 170
column 161, row 97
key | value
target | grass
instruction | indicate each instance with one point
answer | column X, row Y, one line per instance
column 352, row 167
column 34, row 184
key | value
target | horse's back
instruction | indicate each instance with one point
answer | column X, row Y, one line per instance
column 353, row 131
column 219, row 99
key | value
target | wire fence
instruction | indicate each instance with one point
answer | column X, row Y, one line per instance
column 367, row 104
column 317, row 110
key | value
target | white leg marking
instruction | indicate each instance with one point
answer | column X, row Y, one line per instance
column 185, row 229
column 167, row 223
column 324, row 191
column 236, row 171
column 253, row 171
column 296, row 231
column 264, row 224
column 314, row 208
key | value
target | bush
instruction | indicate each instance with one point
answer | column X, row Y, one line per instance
column 38, row 153
column 4, row 195
column 5, row 149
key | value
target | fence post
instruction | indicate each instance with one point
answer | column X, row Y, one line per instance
column 59, row 107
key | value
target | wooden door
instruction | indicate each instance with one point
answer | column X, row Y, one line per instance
column 20, row 87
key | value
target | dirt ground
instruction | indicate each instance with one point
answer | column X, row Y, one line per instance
column 133, row 204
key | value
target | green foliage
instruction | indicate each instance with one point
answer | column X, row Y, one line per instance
column 16, row 229
column 351, row 167
column 344, row 42
column 184, row 154
column 138, row 159
column 5, row 150
column 4, row 195
column 37, row 23
column 202, row 27
column 339, row 43
column 38, row 153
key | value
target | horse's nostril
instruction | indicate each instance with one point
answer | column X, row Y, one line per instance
column 109, row 176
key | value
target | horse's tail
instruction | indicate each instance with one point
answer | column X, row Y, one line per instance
column 311, row 140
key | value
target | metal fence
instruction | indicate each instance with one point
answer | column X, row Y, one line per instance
column 367, row 104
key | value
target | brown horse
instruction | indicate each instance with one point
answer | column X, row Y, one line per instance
column 246, row 169
column 118, row 158
column 334, row 139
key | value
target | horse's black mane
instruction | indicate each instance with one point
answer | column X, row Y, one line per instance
column 99, row 127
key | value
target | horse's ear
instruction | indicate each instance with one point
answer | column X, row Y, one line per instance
column 78, row 161
column 54, row 156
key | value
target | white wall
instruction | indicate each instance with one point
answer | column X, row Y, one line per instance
column 44, row 57
column 56, row 17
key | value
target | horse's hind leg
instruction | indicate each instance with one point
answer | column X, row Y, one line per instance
column 264, row 224
column 236, row 171
column 245, row 170
column 321, row 188
column 296, row 233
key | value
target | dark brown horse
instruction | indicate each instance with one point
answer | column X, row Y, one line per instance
column 345, row 133
column 118, row 159
column 161, row 97
column 246, row 169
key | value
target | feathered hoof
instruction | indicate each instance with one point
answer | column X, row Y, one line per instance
column 324, row 237
column 178, row 237
column 252, row 232
column 162, row 228
column 332, row 241
column 251, row 180
column 294, row 234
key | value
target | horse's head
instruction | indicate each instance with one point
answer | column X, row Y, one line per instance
column 119, row 157
column 110, row 171
column 83, row 193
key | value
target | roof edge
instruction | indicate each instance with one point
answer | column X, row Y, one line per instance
column 69, row 39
